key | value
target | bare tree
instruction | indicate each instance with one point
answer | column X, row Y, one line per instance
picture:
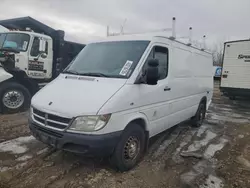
column 217, row 53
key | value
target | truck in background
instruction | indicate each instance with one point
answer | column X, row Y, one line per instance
column 31, row 55
column 235, row 79
column 217, row 72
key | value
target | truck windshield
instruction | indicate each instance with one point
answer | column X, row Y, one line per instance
column 17, row 41
column 115, row 59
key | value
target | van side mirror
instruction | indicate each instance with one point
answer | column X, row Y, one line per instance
column 152, row 75
column 42, row 44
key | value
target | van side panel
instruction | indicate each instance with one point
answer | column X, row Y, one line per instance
column 191, row 79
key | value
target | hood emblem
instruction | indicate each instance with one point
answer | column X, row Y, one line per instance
column 50, row 103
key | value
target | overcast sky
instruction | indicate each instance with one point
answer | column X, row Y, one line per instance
column 84, row 20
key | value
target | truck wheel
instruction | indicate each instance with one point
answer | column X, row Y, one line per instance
column 199, row 117
column 129, row 149
column 14, row 97
column 232, row 97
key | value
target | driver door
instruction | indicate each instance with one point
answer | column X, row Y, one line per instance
column 38, row 64
column 155, row 99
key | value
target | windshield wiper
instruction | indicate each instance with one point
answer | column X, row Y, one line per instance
column 71, row 72
column 97, row 74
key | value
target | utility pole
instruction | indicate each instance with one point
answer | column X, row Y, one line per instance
column 122, row 26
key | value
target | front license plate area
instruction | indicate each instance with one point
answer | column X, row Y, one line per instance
column 47, row 139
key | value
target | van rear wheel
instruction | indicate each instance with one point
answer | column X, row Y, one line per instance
column 199, row 117
column 129, row 149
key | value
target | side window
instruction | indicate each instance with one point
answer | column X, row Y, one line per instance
column 160, row 53
column 46, row 47
column 35, row 47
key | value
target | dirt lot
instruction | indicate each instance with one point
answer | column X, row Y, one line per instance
column 215, row 155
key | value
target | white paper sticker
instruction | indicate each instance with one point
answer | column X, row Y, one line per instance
column 126, row 68
column 25, row 43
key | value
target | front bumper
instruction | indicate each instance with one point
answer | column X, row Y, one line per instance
column 90, row 145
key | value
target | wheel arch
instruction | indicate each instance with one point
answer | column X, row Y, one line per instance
column 141, row 120
column 4, row 76
column 21, row 77
column 204, row 100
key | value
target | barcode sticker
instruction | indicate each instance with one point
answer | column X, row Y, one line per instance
column 125, row 68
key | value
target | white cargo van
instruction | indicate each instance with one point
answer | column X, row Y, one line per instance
column 120, row 92
column 235, row 79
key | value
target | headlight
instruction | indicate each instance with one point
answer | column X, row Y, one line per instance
column 89, row 123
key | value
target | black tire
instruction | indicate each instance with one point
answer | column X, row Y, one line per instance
column 120, row 157
column 10, row 86
column 232, row 97
column 199, row 117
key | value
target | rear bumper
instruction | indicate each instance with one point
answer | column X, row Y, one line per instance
column 235, row 91
column 90, row 145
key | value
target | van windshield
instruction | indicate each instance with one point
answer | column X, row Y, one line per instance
column 115, row 59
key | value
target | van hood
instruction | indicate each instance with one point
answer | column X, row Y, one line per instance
column 71, row 96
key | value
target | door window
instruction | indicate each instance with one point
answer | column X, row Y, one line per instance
column 35, row 47
column 160, row 53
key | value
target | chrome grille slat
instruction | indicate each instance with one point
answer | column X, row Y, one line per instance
column 50, row 120
column 38, row 116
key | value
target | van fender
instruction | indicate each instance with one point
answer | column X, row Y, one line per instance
column 119, row 121
column 4, row 75
column 137, row 118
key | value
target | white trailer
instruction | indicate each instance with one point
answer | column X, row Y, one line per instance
column 235, row 79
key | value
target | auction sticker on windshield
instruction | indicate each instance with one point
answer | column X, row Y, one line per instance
column 126, row 68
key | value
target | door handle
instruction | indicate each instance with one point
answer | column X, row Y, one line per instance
column 167, row 88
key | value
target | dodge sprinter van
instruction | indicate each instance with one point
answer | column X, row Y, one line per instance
column 119, row 92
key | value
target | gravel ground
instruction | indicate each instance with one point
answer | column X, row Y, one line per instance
column 215, row 155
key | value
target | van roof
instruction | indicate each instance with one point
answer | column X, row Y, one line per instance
column 147, row 37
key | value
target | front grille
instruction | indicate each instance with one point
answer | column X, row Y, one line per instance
column 49, row 132
column 50, row 120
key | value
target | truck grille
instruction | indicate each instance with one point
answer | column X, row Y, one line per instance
column 50, row 120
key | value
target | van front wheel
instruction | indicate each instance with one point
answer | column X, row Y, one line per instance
column 129, row 149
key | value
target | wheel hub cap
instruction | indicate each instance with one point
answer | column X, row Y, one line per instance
column 132, row 148
column 13, row 99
